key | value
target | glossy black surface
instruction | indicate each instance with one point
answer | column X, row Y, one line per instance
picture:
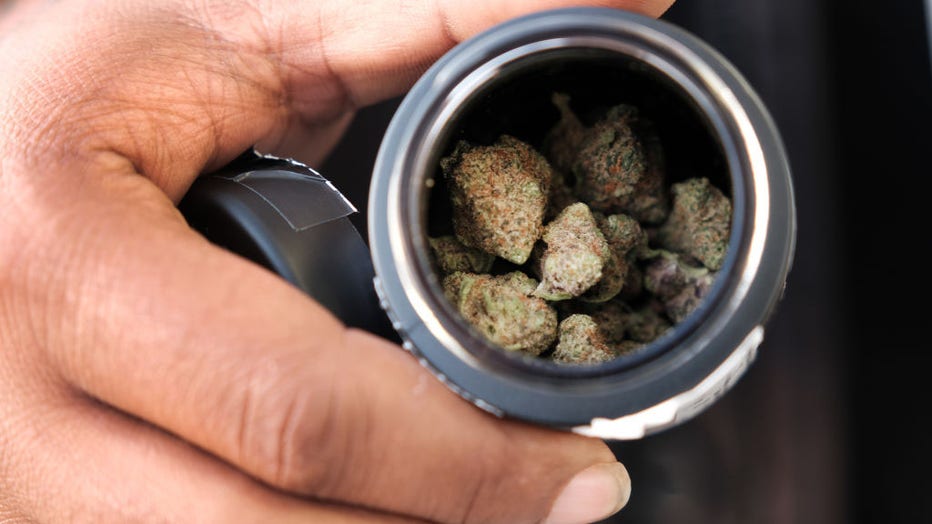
column 289, row 220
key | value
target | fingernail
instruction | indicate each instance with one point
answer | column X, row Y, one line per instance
column 592, row 495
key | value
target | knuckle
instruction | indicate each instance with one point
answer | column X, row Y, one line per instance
column 490, row 477
column 511, row 481
column 288, row 428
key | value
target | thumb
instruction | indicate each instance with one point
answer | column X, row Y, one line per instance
column 223, row 354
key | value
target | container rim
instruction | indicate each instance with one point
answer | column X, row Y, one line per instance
column 760, row 249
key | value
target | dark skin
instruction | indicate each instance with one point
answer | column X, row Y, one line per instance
column 130, row 390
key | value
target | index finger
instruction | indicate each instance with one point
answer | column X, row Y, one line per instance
column 377, row 49
column 173, row 89
column 142, row 314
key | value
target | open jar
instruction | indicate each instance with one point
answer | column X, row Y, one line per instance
column 710, row 124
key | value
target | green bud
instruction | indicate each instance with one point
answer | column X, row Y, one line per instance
column 452, row 256
column 581, row 342
column 611, row 317
column 646, row 323
column 699, row 224
column 680, row 286
column 499, row 195
column 624, row 235
column 614, row 274
column 562, row 142
column 575, row 255
column 619, row 167
column 503, row 311
column 622, row 232
column 619, row 322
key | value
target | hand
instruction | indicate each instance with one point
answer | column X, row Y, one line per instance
column 146, row 375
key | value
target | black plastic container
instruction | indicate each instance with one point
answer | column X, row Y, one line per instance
column 709, row 120
column 710, row 123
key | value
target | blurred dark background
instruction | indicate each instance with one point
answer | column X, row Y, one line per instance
column 828, row 425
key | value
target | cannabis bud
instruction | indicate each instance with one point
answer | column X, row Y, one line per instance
column 625, row 240
column 575, row 255
column 620, row 170
column 647, row 323
column 503, row 310
column 452, row 256
column 617, row 267
column 700, row 222
column 499, row 195
column 582, row 341
column 620, row 323
column 562, row 142
column 679, row 285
